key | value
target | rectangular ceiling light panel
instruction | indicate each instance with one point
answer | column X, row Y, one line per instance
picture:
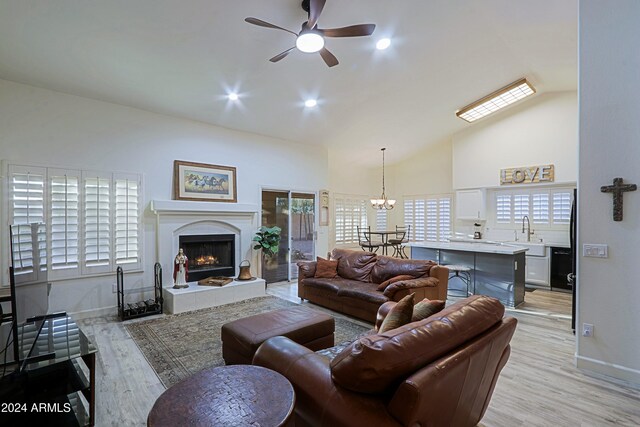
column 496, row 101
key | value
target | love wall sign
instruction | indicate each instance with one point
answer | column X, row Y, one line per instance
column 527, row 175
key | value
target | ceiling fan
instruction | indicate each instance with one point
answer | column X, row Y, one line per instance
column 310, row 39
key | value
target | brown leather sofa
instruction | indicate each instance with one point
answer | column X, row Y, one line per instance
column 354, row 291
column 440, row 371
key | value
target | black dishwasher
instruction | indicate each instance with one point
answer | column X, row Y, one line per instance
column 560, row 267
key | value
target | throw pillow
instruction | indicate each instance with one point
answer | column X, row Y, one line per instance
column 382, row 286
column 326, row 269
column 426, row 308
column 399, row 315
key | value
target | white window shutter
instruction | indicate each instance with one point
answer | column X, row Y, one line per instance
column 540, row 205
column 419, row 220
column 97, row 222
column 350, row 214
column 27, row 207
column 339, row 220
column 127, row 221
column 520, row 206
column 561, row 207
column 432, row 220
column 503, row 208
column 64, row 221
column 381, row 219
column 444, row 219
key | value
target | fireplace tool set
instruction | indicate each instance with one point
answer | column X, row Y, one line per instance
column 148, row 307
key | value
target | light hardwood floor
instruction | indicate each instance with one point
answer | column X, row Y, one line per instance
column 539, row 386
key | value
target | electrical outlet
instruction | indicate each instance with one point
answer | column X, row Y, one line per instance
column 587, row 330
column 114, row 288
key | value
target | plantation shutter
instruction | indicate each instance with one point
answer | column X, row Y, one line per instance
column 540, row 202
column 27, row 193
column 520, row 206
column 64, row 219
column 97, row 227
column 561, row 207
column 381, row 219
column 350, row 214
column 432, row 220
column 340, row 220
column 127, row 220
column 419, row 219
column 444, row 219
column 503, row 208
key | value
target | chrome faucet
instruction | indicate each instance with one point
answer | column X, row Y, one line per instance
column 529, row 232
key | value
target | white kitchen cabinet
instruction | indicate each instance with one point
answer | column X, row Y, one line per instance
column 471, row 204
column 537, row 270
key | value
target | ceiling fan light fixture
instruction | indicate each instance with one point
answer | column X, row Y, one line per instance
column 383, row 44
column 309, row 42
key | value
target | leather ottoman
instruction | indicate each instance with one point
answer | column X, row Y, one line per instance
column 241, row 338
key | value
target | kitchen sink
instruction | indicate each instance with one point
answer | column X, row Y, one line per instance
column 535, row 249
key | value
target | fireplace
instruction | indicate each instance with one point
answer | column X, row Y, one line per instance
column 209, row 255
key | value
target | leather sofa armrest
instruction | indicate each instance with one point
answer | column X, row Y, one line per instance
column 318, row 400
column 306, row 269
column 382, row 312
column 441, row 273
column 421, row 282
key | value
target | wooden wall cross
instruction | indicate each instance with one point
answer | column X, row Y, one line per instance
column 618, row 188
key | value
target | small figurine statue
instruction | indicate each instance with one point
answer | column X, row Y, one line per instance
column 180, row 271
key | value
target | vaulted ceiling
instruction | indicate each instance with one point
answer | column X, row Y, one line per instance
column 181, row 58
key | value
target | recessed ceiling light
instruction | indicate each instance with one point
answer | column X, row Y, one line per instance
column 310, row 103
column 383, row 44
column 496, row 100
column 233, row 96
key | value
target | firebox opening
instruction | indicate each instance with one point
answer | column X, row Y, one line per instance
column 209, row 255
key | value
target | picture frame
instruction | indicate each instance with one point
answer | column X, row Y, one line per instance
column 204, row 182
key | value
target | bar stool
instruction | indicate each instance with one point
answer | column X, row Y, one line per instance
column 463, row 273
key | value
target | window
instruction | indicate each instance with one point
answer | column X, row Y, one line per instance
column 91, row 220
column 429, row 217
column 351, row 213
column 543, row 206
column 381, row 219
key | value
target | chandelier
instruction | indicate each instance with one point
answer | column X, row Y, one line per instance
column 382, row 202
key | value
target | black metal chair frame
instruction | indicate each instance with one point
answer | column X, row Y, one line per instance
column 402, row 236
column 365, row 242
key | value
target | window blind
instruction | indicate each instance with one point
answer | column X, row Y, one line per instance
column 350, row 214
column 64, row 222
column 444, row 219
column 381, row 219
column 126, row 221
column 540, row 207
column 432, row 220
column 561, row 207
column 97, row 211
column 503, row 208
column 520, row 206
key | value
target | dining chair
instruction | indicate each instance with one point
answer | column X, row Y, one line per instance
column 364, row 239
column 398, row 242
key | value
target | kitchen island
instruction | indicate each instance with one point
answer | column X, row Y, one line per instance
column 497, row 270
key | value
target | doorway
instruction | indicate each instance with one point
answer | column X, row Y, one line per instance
column 295, row 214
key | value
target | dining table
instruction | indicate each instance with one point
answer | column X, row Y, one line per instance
column 384, row 238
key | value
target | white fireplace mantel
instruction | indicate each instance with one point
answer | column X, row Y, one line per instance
column 180, row 217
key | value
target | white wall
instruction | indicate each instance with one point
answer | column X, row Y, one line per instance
column 541, row 130
column 608, row 291
column 43, row 127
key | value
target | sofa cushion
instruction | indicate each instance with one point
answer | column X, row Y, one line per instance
column 390, row 290
column 382, row 286
column 360, row 290
column 374, row 363
column 326, row 269
column 388, row 267
column 354, row 265
column 333, row 285
column 426, row 308
column 399, row 315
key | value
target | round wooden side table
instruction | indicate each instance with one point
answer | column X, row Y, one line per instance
column 235, row 395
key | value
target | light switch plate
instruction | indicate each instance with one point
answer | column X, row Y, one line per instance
column 595, row 250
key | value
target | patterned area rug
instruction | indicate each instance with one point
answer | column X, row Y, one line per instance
column 179, row 345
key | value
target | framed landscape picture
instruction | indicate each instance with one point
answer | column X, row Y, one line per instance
column 203, row 182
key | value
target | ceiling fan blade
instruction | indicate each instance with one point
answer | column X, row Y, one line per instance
column 315, row 9
column 329, row 58
column 279, row 56
column 261, row 23
column 351, row 31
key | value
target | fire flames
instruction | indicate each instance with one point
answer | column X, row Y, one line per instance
column 206, row 260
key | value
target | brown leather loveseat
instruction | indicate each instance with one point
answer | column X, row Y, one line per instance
column 440, row 371
column 354, row 290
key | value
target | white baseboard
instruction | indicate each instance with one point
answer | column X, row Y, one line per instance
column 95, row 312
column 609, row 371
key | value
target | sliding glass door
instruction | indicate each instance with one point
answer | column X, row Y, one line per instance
column 294, row 213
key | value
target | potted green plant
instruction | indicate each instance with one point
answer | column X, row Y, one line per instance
column 268, row 239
